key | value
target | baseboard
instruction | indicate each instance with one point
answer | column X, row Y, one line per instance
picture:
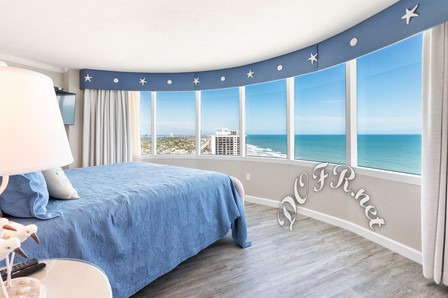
column 388, row 243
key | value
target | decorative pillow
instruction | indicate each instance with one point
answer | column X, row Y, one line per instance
column 26, row 196
column 59, row 187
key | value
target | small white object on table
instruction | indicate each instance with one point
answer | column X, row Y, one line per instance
column 71, row 278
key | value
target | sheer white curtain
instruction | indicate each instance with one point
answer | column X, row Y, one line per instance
column 106, row 127
column 435, row 154
column 134, row 98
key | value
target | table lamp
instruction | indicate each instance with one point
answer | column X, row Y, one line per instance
column 32, row 134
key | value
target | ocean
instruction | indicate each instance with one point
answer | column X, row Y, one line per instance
column 399, row 153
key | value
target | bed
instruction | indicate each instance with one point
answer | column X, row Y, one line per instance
column 137, row 221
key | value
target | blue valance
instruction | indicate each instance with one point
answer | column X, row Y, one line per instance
column 399, row 21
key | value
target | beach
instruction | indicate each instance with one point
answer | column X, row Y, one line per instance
column 400, row 153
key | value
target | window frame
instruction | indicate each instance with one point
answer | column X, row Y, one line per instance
column 200, row 122
column 351, row 126
column 287, row 123
column 154, row 124
column 346, row 90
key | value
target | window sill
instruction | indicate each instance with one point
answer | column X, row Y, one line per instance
column 375, row 173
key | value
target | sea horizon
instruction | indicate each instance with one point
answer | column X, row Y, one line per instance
column 393, row 152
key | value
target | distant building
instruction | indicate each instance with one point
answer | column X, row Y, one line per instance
column 225, row 142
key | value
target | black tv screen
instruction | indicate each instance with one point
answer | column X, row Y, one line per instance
column 67, row 105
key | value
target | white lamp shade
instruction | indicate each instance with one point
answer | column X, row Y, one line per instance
column 32, row 134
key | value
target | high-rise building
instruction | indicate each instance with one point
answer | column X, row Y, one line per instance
column 225, row 142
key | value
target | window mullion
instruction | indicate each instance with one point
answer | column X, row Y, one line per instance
column 242, row 121
column 290, row 118
column 351, row 126
column 198, row 122
column 153, row 122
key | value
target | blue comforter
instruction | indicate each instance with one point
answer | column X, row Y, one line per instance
column 137, row 221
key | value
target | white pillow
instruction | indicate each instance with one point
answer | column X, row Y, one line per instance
column 59, row 186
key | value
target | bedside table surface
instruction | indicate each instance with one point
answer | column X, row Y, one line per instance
column 70, row 278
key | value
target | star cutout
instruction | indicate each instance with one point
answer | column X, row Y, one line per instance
column 143, row 81
column 250, row 74
column 410, row 14
column 88, row 78
column 313, row 58
column 196, row 81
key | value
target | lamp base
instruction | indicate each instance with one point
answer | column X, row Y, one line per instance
column 26, row 287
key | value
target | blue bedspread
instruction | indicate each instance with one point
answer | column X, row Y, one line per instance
column 137, row 221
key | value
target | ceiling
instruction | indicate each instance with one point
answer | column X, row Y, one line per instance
column 170, row 36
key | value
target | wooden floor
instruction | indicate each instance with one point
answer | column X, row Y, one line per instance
column 314, row 260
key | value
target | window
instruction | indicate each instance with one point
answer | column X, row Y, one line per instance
column 319, row 115
column 266, row 119
column 389, row 107
column 220, row 113
column 176, row 122
column 145, row 122
column 389, row 88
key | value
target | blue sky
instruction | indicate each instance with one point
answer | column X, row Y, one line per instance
column 266, row 108
column 319, row 102
column 145, row 113
column 389, row 100
column 390, row 89
column 220, row 109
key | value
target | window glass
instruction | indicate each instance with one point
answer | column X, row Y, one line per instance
column 389, row 107
column 145, row 122
column 266, row 119
column 176, row 122
column 319, row 115
column 220, row 121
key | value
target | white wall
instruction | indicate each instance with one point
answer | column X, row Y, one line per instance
column 397, row 202
column 74, row 132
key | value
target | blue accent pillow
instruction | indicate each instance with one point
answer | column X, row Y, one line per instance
column 26, row 196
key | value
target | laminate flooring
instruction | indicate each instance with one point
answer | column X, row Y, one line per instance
column 314, row 260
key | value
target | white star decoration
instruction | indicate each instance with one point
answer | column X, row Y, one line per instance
column 313, row 58
column 410, row 14
column 88, row 78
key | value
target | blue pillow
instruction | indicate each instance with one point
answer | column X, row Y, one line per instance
column 26, row 196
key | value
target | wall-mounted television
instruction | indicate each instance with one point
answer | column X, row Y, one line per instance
column 67, row 105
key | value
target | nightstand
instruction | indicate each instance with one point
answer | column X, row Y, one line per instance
column 70, row 278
